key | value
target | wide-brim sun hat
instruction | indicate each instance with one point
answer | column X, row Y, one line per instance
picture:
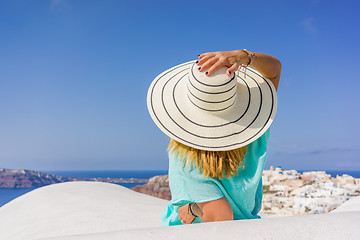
column 214, row 113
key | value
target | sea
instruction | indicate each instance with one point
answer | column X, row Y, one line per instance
column 7, row 195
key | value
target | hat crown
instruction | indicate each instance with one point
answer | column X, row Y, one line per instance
column 211, row 93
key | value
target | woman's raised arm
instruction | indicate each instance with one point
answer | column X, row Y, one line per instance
column 267, row 65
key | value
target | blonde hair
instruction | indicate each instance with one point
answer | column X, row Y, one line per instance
column 212, row 163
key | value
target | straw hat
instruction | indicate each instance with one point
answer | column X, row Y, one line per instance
column 216, row 112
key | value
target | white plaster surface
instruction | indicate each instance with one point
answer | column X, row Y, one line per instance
column 352, row 204
column 97, row 210
column 78, row 207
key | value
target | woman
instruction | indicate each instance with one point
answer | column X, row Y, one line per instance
column 219, row 131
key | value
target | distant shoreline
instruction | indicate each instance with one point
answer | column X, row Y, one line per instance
column 27, row 180
column 333, row 173
column 23, row 178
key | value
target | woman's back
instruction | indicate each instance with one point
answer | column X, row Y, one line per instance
column 243, row 191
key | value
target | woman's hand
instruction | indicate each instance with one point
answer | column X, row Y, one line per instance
column 184, row 216
column 212, row 61
column 267, row 65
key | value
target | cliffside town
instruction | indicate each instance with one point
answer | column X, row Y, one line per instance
column 286, row 193
column 289, row 193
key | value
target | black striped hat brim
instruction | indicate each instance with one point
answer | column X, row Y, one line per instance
column 243, row 122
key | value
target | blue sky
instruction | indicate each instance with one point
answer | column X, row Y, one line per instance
column 74, row 77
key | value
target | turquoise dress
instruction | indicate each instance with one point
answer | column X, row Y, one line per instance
column 244, row 192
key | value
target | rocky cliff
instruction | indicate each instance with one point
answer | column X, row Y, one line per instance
column 157, row 186
column 10, row 178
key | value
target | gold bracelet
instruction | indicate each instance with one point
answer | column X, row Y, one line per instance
column 250, row 55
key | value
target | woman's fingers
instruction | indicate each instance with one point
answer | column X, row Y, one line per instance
column 202, row 55
column 213, row 61
column 210, row 62
column 206, row 54
column 188, row 220
column 204, row 59
column 216, row 66
column 232, row 69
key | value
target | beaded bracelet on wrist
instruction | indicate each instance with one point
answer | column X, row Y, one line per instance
column 191, row 210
